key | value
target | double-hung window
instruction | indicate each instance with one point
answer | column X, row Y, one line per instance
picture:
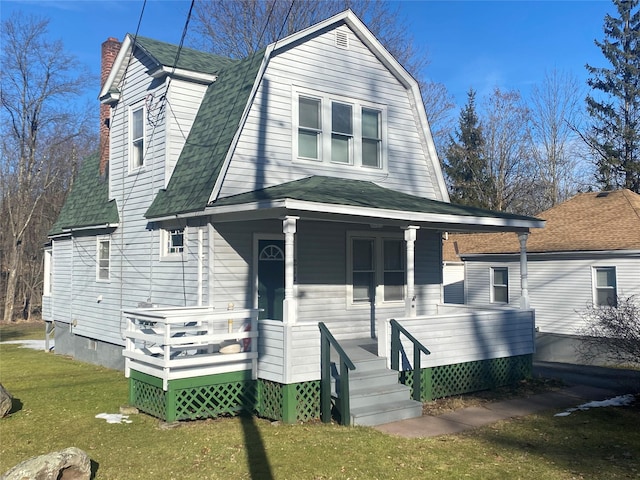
column 136, row 138
column 605, row 291
column 103, row 261
column 309, row 128
column 500, row 285
column 377, row 269
column 339, row 131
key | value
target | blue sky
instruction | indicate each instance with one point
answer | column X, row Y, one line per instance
column 479, row 44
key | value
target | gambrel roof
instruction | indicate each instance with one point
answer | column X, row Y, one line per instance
column 588, row 222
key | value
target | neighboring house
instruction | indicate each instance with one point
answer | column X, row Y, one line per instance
column 587, row 254
column 299, row 185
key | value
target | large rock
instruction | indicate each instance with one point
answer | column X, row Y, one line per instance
column 6, row 402
column 68, row 464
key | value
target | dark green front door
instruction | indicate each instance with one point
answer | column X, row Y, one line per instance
column 270, row 278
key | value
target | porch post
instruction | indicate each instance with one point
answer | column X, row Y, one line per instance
column 524, row 282
column 410, row 301
column 289, row 229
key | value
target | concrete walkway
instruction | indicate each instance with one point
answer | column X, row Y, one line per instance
column 473, row 417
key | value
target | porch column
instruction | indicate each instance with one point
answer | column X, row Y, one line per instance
column 410, row 301
column 289, row 229
column 524, row 282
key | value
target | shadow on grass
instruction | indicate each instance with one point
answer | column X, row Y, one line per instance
column 259, row 468
column 16, row 406
column 94, row 469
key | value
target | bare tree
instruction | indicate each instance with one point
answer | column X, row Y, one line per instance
column 40, row 130
column 507, row 153
column 237, row 28
column 556, row 110
column 612, row 332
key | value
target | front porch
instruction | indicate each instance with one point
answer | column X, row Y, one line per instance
column 179, row 368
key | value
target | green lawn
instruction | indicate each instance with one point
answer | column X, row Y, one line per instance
column 57, row 399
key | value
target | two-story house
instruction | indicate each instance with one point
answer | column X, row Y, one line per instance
column 237, row 204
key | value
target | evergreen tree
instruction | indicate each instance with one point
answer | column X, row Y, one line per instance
column 615, row 134
column 465, row 165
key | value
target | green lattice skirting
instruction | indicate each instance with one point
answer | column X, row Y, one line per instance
column 224, row 394
column 448, row 380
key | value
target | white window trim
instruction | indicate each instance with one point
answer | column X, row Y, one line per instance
column 324, row 153
column 47, row 274
column 165, row 233
column 134, row 108
column 594, row 282
column 99, row 241
column 493, row 285
column 378, row 238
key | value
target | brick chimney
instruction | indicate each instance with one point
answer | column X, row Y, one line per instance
column 110, row 50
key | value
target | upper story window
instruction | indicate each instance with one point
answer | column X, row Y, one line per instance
column 103, row 262
column 339, row 131
column 500, row 285
column 604, row 287
column 136, row 137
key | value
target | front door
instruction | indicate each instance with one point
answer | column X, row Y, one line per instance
column 270, row 278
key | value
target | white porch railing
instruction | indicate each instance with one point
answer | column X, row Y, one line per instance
column 174, row 343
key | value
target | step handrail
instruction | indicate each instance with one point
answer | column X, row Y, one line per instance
column 418, row 347
column 326, row 341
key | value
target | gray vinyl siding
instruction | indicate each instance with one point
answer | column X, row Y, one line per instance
column 61, row 279
column 355, row 74
column 559, row 288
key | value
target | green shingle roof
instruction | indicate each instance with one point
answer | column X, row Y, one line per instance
column 165, row 54
column 87, row 203
column 214, row 127
column 359, row 193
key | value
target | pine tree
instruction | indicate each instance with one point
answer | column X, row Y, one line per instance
column 465, row 165
column 615, row 134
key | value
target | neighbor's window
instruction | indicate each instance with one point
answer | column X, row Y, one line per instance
column 173, row 241
column 500, row 285
column 378, row 271
column 309, row 128
column 103, row 263
column 605, row 294
column 48, row 272
column 136, row 134
column 341, row 131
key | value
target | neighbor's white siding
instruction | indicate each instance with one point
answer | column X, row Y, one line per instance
column 264, row 155
column 559, row 288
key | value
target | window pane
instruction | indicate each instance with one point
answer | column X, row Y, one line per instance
column 136, row 131
column 362, row 286
column 309, row 113
column 370, row 153
column 370, row 124
column 362, row 254
column 341, row 118
column 393, row 255
column 340, row 148
column 501, row 294
column 605, row 277
column 308, row 144
column 500, row 276
column 393, row 286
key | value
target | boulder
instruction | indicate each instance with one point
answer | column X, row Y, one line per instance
column 68, row 464
column 6, row 402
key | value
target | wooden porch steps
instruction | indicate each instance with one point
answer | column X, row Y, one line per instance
column 375, row 395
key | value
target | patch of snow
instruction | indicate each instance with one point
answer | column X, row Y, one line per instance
column 114, row 417
column 619, row 401
column 34, row 344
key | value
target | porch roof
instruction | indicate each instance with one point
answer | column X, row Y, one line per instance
column 330, row 197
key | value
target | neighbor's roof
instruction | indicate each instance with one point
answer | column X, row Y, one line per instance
column 361, row 196
column 87, row 204
column 597, row 221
